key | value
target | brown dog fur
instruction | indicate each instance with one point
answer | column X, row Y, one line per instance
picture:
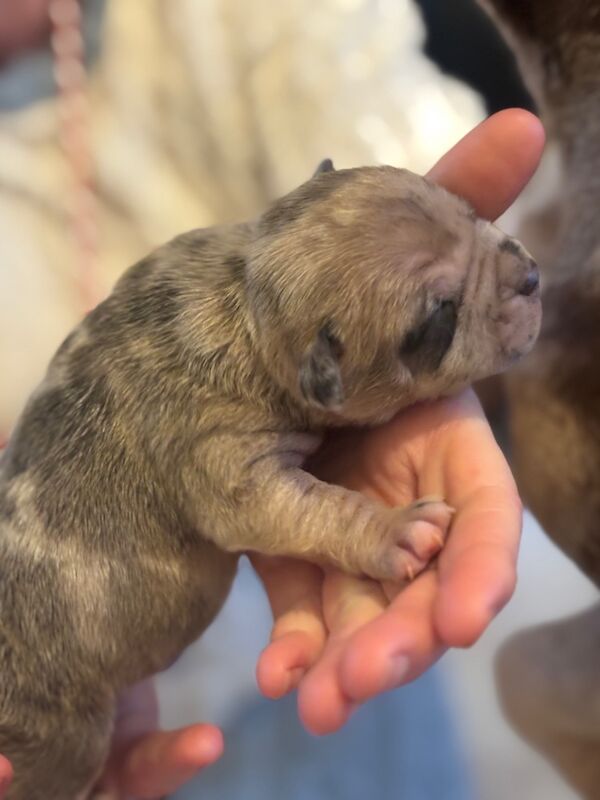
column 554, row 396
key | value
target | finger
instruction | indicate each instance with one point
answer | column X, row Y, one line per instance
column 159, row 763
column 396, row 646
column 477, row 567
column 284, row 662
column 299, row 633
column 477, row 570
column 323, row 707
column 350, row 603
column 490, row 166
column 6, row 774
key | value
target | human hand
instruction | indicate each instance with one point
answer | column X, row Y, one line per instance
column 146, row 763
column 340, row 639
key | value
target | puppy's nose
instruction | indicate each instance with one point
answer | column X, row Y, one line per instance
column 531, row 282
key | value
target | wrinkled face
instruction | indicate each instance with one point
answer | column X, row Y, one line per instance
column 372, row 289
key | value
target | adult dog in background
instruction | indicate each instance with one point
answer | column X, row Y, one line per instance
column 550, row 676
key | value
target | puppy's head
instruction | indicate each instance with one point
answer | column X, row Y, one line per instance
column 372, row 288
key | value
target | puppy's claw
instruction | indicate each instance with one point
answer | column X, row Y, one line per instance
column 425, row 500
column 437, row 538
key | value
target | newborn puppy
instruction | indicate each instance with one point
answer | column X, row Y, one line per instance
column 171, row 429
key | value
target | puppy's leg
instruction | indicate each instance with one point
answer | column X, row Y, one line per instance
column 548, row 682
column 264, row 501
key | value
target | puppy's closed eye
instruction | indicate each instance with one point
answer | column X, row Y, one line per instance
column 425, row 346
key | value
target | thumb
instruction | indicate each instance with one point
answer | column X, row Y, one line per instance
column 6, row 774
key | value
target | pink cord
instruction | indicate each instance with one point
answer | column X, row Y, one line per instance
column 74, row 131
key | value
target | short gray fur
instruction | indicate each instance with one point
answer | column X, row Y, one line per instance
column 171, row 429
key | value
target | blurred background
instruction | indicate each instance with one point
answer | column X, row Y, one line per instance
column 124, row 123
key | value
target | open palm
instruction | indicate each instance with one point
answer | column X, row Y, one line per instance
column 345, row 639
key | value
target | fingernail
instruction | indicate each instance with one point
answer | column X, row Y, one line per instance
column 398, row 669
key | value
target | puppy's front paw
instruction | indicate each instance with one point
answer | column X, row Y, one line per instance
column 413, row 536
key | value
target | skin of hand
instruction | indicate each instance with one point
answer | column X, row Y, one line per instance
column 342, row 640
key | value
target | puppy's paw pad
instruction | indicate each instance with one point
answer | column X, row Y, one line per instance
column 415, row 535
column 430, row 509
column 424, row 539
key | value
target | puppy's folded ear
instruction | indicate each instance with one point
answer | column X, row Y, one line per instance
column 320, row 376
column 325, row 166
column 424, row 347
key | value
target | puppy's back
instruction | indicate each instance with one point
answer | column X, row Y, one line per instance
column 99, row 562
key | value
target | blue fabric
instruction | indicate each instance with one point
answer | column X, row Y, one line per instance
column 401, row 746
